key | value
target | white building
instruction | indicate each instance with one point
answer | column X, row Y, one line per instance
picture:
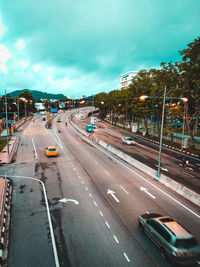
column 39, row 106
column 126, row 79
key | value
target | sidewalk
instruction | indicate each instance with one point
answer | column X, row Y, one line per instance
column 13, row 144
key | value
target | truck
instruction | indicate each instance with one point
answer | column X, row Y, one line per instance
column 89, row 128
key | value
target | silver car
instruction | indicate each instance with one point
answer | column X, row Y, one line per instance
column 128, row 140
column 174, row 241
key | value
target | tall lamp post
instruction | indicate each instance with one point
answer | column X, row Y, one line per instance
column 25, row 101
column 185, row 100
column 161, row 136
column 142, row 98
column 7, row 123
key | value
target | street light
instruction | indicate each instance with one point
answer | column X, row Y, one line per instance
column 25, row 101
column 143, row 98
column 185, row 100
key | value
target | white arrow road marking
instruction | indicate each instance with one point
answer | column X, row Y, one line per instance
column 65, row 200
column 146, row 191
column 112, row 194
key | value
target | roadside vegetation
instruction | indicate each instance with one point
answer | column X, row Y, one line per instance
column 182, row 80
column 3, row 143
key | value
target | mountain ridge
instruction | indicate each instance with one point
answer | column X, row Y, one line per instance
column 37, row 95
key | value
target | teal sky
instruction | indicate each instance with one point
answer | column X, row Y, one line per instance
column 81, row 47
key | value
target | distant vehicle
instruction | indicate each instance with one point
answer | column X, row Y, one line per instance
column 128, row 140
column 58, row 119
column 59, row 130
column 51, row 151
column 82, row 117
column 65, row 123
column 174, row 241
column 89, row 128
column 94, row 125
column 44, row 119
column 98, row 119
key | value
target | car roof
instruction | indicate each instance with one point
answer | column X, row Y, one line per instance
column 51, row 147
column 173, row 226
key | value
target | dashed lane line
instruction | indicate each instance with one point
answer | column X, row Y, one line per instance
column 124, row 189
column 107, row 224
column 117, row 241
column 127, row 258
column 101, row 213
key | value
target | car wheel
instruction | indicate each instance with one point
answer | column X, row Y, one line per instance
column 141, row 227
column 163, row 254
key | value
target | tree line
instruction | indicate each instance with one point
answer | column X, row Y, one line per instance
column 182, row 80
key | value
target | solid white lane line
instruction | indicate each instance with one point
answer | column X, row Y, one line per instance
column 86, row 188
column 107, row 224
column 48, row 214
column 90, row 194
column 126, row 257
column 101, row 213
column 124, row 189
column 116, row 239
column 36, row 155
column 95, row 203
column 107, row 173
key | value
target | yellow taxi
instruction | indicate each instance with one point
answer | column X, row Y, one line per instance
column 51, row 151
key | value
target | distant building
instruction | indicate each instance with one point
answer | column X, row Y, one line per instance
column 39, row 106
column 126, row 79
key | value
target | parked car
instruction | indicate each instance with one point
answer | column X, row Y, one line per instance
column 51, row 151
column 128, row 140
column 58, row 119
column 174, row 241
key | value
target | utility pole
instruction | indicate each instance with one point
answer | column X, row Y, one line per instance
column 161, row 136
column 7, row 122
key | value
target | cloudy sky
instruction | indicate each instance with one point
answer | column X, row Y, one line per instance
column 81, row 47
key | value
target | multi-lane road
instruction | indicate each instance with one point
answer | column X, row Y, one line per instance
column 94, row 201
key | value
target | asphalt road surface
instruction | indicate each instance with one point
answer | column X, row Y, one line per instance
column 96, row 221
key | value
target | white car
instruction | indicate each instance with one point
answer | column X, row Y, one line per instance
column 128, row 140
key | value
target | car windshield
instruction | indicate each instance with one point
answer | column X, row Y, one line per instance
column 186, row 243
column 52, row 149
column 129, row 139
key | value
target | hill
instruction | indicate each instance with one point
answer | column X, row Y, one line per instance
column 37, row 95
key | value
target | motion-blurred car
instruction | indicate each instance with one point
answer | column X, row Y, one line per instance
column 51, row 151
column 128, row 140
column 94, row 125
column 173, row 240
column 44, row 119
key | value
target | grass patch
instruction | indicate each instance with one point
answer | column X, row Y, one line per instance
column 3, row 142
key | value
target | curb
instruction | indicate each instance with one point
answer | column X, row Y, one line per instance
column 175, row 186
column 4, row 234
